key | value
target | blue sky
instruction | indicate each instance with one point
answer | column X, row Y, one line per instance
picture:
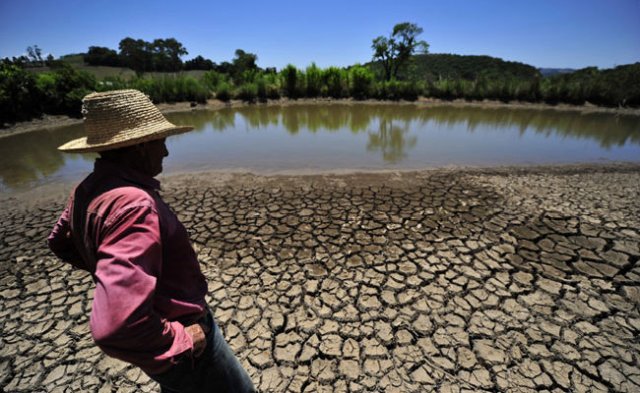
column 543, row 33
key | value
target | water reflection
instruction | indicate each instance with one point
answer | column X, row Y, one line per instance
column 392, row 140
column 360, row 135
column 607, row 129
column 29, row 157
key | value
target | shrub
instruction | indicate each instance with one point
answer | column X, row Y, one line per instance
column 19, row 95
column 313, row 76
column 212, row 79
column 335, row 80
column 71, row 85
column 261, row 89
column 171, row 88
column 397, row 90
column 361, row 82
column 291, row 81
column 224, row 92
column 248, row 92
column 273, row 91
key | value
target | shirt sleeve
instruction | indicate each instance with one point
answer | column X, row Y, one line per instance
column 61, row 243
column 123, row 321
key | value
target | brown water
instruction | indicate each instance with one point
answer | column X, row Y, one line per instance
column 347, row 136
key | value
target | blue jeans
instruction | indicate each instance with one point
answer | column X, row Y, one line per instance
column 216, row 370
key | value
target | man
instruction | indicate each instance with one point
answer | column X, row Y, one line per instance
column 148, row 307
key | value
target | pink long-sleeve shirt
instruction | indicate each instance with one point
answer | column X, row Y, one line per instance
column 148, row 281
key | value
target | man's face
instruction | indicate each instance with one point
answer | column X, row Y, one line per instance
column 152, row 153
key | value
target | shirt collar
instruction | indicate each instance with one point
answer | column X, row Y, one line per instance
column 103, row 167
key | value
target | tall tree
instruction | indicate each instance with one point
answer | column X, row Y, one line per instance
column 35, row 55
column 167, row 53
column 395, row 51
column 243, row 62
column 199, row 63
column 135, row 55
column 102, row 56
column 159, row 55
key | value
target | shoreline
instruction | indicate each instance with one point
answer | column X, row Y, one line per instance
column 244, row 177
column 48, row 122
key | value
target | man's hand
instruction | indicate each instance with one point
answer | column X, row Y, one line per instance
column 198, row 337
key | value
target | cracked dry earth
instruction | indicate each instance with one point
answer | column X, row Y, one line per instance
column 448, row 280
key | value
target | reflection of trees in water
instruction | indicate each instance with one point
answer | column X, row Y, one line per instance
column 607, row 129
column 27, row 157
column 391, row 140
column 219, row 120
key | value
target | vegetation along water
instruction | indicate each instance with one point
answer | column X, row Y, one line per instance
column 401, row 69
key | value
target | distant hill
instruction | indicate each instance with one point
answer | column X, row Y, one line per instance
column 450, row 66
column 555, row 71
column 73, row 58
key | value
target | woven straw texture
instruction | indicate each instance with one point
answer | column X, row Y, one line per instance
column 120, row 118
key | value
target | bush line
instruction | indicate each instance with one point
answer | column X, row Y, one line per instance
column 25, row 95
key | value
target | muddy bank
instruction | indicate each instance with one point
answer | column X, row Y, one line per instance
column 52, row 122
column 508, row 279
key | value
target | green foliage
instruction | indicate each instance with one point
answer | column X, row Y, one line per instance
column 273, row 86
column 223, row 92
column 267, row 87
column 619, row 86
column 614, row 87
column 159, row 55
column 18, row 94
column 101, row 56
column 70, row 84
column 243, row 67
column 199, row 63
column 261, row 89
column 361, row 79
column 433, row 67
column 24, row 95
column 336, row 82
column 212, row 79
column 397, row 90
column 313, row 77
column 291, row 81
column 396, row 51
column 248, row 92
column 168, row 88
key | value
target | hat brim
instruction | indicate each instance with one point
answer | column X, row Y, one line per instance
column 81, row 145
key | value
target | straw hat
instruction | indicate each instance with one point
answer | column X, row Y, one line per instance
column 120, row 118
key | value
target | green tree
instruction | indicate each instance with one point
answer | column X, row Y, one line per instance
column 166, row 54
column 291, row 80
column 361, row 79
column 159, row 55
column 102, row 56
column 19, row 98
column 35, row 55
column 199, row 63
column 395, row 51
column 243, row 65
column 135, row 54
column 313, row 75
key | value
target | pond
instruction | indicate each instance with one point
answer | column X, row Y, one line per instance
column 356, row 136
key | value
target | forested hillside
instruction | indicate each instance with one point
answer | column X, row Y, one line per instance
column 431, row 67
